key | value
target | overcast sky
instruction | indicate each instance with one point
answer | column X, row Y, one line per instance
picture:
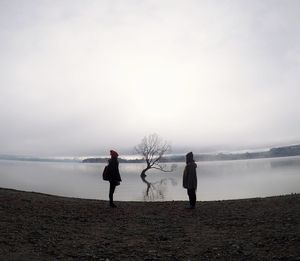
column 81, row 77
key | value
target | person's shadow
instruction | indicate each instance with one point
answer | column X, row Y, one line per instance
column 156, row 190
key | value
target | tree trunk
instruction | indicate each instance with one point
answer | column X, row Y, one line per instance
column 147, row 182
column 143, row 174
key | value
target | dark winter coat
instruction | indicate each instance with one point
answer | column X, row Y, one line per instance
column 190, row 176
column 113, row 169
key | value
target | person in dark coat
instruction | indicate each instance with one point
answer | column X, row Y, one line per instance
column 114, row 176
column 190, row 179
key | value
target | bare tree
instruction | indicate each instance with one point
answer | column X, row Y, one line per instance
column 153, row 148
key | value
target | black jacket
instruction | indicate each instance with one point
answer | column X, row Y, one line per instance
column 113, row 168
column 190, row 176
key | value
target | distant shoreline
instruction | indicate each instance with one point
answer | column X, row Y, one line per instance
column 37, row 226
column 287, row 151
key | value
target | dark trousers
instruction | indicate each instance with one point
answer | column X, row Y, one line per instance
column 192, row 196
column 112, row 187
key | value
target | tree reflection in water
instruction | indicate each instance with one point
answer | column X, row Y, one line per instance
column 157, row 190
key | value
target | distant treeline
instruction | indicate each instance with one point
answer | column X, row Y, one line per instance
column 272, row 153
column 37, row 159
column 104, row 160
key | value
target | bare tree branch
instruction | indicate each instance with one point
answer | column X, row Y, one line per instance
column 153, row 148
column 163, row 170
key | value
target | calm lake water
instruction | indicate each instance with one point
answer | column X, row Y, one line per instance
column 216, row 180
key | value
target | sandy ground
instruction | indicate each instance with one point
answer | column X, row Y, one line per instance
column 36, row 226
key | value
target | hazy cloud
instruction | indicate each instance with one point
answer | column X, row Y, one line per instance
column 79, row 77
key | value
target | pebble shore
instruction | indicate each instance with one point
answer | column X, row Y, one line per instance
column 36, row 226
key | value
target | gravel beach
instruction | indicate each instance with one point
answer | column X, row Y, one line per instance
column 36, row 226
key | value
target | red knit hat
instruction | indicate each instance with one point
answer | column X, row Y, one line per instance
column 114, row 154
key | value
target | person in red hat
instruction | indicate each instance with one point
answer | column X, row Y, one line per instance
column 114, row 176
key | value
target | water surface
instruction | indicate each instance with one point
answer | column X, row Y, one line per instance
column 217, row 180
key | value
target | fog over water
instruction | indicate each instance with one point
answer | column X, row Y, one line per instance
column 216, row 180
column 82, row 77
